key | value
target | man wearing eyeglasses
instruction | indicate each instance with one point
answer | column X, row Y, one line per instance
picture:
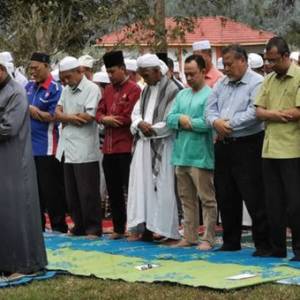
column 278, row 104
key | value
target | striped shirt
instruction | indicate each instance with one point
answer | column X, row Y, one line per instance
column 45, row 96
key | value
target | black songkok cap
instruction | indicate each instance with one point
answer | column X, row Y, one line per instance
column 163, row 56
column 40, row 57
column 113, row 58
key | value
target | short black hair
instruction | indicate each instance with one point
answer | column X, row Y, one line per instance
column 198, row 59
column 239, row 51
column 280, row 43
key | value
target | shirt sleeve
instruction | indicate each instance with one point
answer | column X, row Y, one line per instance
column 92, row 101
column 61, row 100
column 136, row 118
column 244, row 119
column 211, row 111
column 54, row 100
column 261, row 99
column 12, row 116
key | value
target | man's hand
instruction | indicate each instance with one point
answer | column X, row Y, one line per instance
column 76, row 120
column 34, row 112
column 111, row 121
column 223, row 127
column 146, row 129
column 280, row 116
column 185, row 122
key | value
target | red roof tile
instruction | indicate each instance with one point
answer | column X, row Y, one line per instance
column 218, row 30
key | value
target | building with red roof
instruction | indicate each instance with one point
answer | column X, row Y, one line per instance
column 220, row 31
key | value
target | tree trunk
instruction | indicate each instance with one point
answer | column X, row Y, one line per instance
column 161, row 44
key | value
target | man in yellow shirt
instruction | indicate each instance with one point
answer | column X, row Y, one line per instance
column 278, row 104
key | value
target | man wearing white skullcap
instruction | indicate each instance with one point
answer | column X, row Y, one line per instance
column 131, row 68
column 212, row 75
column 78, row 147
column 14, row 72
column 151, row 195
column 22, row 249
column 256, row 63
column 86, row 65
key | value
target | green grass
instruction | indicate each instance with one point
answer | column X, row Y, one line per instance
column 71, row 287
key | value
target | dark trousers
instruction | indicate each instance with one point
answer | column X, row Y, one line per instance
column 83, row 197
column 238, row 177
column 116, row 171
column 282, row 186
column 51, row 191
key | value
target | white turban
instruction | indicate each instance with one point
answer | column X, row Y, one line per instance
column 148, row 61
column 201, row 45
column 130, row 64
column 55, row 74
column 6, row 65
column 86, row 61
column 101, row 77
column 255, row 61
column 68, row 63
column 6, row 56
column 294, row 55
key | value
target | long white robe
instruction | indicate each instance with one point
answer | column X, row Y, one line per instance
column 158, row 209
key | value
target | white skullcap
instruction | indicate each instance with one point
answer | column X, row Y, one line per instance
column 255, row 61
column 68, row 63
column 86, row 61
column 148, row 61
column 5, row 64
column 176, row 67
column 201, row 45
column 6, row 56
column 163, row 67
column 130, row 64
column 294, row 55
column 101, row 77
column 220, row 65
column 55, row 74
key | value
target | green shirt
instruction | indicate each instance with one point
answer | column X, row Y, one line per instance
column 282, row 140
column 193, row 147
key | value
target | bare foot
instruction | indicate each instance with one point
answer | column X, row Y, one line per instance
column 116, row 236
column 15, row 276
column 183, row 243
column 92, row 236
column 133, row 237
column 204, row 246
column 168, row 242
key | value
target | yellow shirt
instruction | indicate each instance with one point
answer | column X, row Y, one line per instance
column 282, row 140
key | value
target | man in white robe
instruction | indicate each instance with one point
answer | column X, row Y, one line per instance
column 151, row 195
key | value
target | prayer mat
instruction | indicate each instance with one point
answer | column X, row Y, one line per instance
column 152, row 262
column 5, row 282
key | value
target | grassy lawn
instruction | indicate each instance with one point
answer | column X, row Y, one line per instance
column 71, row 287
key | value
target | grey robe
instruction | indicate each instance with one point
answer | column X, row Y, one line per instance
column 22, row 246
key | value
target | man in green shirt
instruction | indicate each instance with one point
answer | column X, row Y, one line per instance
column 278, row 104
column 193, row 155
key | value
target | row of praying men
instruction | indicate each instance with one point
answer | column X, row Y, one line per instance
column 225, row 139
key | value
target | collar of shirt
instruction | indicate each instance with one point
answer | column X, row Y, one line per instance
column 45, row 85
column 292, row 71
column 80, row 86
column 119, row 86
column 244, row 80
